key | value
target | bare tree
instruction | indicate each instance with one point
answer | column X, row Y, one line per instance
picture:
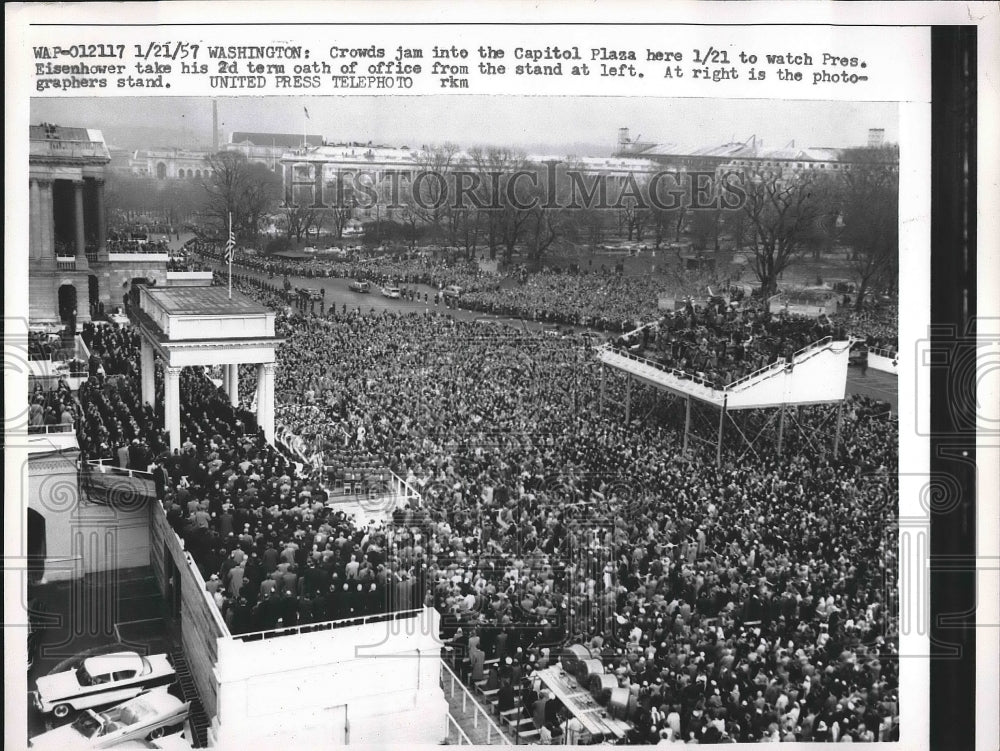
column 339, row 217
column 427, row 201
column 870, row 205
column 244, row 190
column 782, row 211
column 298, row 221
column 505, row 222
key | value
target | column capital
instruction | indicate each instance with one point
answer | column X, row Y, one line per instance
column 268, row 368
column 41, row 182
column 172, row 372
column 77, row 183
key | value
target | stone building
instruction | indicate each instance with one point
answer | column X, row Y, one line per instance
column 67, row 222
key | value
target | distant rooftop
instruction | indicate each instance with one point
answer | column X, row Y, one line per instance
column 203, row 301
column 282, row 140
column 49, row 144
column 752, row 149
column 50, row 132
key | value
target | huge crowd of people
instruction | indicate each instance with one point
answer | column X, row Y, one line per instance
column 878, row 328
column 548, row 525
column 720, row 343
column 428, row 271
column 605, row 302
column 596, row 298
column 745, row 602
column 130, row 243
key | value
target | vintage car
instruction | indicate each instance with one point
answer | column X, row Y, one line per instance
column 392, row 292
column 149, row 715
column 101, row 680
column 313, row 294
column 452, row 292
column 359, row 286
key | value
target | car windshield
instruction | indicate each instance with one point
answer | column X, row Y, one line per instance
column 135, row 711
column 83, row 677
column 87, row 724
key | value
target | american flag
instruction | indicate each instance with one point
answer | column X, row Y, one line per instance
column 230, row 242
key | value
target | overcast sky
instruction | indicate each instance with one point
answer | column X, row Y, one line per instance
column 582, row 126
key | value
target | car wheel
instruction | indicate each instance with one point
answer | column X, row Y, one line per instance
column 158, row 733
column 61, row 710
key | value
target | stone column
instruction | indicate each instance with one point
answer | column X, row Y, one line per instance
column 34, row 219
column 231, row 382
column 102, row 220
column 172, row 405
column 261, row 396
column 81, row 242
column 147, row 363
column 265, row 399
column 46, row 230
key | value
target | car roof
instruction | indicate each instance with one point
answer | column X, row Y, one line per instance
column 113, row 663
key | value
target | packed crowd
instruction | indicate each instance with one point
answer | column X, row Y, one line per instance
column 605, row 302
column 48, row 407
column 751, row 607
column 381, row 271
column 271, row 551
column 130, row 222
column 878, row 328
column 595, row 299
column 42, row 345
column 720, row 343
column 125, row 243
column 185, row 263
column 753, row 610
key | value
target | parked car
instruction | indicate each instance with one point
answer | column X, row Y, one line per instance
column 101, row 680
column 149, row 715
column 359, row 286
column 452, row 291
column 390, row 291
column 313, row 294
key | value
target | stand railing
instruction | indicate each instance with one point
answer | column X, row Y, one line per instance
column 62, row 427
column 449, row 682
column 463, row 739
column 308, row 628
column 681, row 374
column 780, row 364
column 105, row 467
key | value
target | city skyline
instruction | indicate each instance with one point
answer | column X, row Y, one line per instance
column 532, row 124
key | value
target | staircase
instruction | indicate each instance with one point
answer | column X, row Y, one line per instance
column 197, row 719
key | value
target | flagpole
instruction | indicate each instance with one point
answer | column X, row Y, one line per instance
column 230, row 254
